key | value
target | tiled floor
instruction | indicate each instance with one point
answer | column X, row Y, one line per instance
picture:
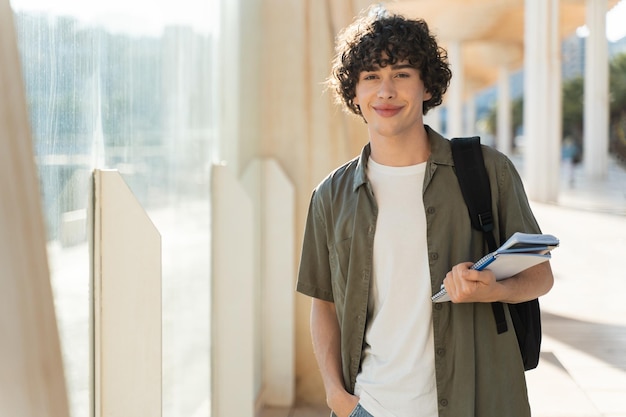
column 582, row 372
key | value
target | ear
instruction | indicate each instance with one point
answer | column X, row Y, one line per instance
column 427, row 95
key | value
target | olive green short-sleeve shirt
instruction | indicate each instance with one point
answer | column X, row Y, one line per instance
column 479, row 373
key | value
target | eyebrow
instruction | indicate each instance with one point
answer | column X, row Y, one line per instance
column 402, row 66
column 393, row 67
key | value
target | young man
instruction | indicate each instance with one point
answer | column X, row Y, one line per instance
column 386, row 229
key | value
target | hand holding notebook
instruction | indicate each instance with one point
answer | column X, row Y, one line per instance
column 520, row 252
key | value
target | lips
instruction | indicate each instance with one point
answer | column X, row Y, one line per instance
column 387, row 110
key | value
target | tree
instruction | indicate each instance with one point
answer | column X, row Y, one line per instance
column 517, row 118
column 617, row 99
column 573, row 109
column 617, row 86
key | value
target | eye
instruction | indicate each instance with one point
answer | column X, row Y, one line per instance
column 403, row 75
column 367, row 77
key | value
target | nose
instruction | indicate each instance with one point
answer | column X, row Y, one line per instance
column 387, row 89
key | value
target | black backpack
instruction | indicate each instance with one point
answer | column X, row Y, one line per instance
column 474, row 183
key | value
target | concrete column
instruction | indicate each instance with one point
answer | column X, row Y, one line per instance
column 239, row 82
column 554, row 124
column 470, row 117
column 504, row 128
column 32, row 381
column 433, row 119
column 229, row 87
column 542, row 91
column 455, row 91
column 596, row 107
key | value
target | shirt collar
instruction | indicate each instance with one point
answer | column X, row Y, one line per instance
column 440, row 151
column 440, row 154
column 361, row 167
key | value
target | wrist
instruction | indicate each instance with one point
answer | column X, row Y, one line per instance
column 335, row 396
column 341, row 402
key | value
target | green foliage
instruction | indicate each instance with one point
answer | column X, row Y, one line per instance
column 617, row 85
column 517, row 117
column 617, row 97
column 573, row 108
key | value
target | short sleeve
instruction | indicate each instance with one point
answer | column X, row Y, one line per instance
column 314, row 274
column 515, row 213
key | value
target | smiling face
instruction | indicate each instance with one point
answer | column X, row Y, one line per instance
column 391, row 100
column 377, row 40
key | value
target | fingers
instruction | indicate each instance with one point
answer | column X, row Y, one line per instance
column 467, row 285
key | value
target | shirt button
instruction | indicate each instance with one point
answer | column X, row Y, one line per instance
column 434, row 256
column 443, row 402
column 438, row 306
column 441, row 352
column 430, row 210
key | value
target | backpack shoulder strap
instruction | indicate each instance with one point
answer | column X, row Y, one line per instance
column 476, row 189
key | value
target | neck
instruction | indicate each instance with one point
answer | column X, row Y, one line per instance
column 400, row 151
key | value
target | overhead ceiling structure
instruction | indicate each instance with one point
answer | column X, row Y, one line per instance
column 491, row 32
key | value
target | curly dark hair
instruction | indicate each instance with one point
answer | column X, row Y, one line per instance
column 380, row 39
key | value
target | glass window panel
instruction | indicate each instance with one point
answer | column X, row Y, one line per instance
column 126, row 85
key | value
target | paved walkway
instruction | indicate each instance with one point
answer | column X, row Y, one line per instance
column 583, row 367
column 582, row 372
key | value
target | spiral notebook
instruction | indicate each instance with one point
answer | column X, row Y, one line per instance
column 520, row 252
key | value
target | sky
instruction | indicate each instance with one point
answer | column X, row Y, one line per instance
column 122, row 15
column 616, row 22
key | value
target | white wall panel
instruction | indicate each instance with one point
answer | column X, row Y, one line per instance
column 273, row 196
column 232, row 321
column 127, row 302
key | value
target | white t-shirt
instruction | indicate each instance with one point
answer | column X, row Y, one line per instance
column 397, row 377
